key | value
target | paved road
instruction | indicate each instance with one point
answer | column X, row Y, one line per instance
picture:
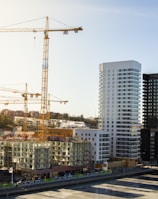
column 140, row 187
column 58, row 184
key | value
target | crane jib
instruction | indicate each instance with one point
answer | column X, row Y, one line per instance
column 44, row 86
column 39, row 30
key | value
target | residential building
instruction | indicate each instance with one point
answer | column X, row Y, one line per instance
column 25, row 155
column 44, row 157
column 119, row 107
column 71, row 152
column 99, row 140
column 150, row 100
column 149, row 132
column 149, row 145
column 36, row 122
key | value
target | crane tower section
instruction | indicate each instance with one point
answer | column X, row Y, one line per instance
column 44, row 89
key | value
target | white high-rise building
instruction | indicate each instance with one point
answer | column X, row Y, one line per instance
column 119, row 106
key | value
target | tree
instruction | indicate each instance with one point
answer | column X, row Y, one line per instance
column 6, row 121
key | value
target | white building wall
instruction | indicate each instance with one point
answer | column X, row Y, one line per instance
column 119, row 106
column 99, row 143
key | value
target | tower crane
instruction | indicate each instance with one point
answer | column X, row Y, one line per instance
column 32, row 101
column 25, row 95
column 46, row 30
column 26, row 100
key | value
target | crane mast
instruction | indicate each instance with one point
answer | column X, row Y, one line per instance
column 25, row 108
column 44, row 86
column 25, row 95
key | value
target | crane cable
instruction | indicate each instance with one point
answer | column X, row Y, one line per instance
column 28, row 21
column 36, row 19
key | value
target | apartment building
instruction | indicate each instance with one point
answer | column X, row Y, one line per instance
column 36, row 122
column 119, row 107
column 71, row 152
column 149, row 132
column 25, row 155
column 37, row 157
column 150, row 100
column 149, row 145
column 99, row 141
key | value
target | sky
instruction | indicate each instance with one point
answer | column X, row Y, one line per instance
column 113, row 30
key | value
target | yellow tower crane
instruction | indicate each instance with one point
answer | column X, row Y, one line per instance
column 26, row 100
column 25, row 95
column 44, row 86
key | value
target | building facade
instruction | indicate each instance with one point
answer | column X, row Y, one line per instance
column 99, row 141
column 42, row 157
column 150, row 100
column 25, row 155
column 149, row 145
column 119, row 107
column 149, row 132
column 71, row 152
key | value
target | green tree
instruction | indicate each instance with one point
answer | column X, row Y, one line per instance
column 6, row 121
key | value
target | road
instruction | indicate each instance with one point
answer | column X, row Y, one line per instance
column 136, row 187
column 69, row 182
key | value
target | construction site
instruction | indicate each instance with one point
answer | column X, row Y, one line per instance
column 46, row 152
